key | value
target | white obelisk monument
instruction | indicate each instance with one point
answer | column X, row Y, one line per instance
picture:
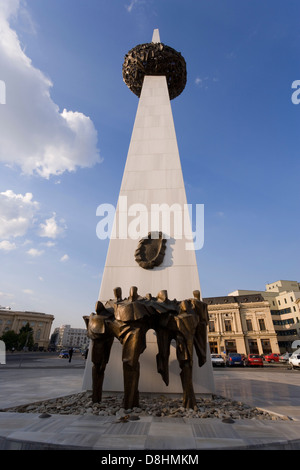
column 152, row 184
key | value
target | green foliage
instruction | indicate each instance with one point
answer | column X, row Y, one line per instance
column 10, row 339
column 18, row 340
column 25, row 337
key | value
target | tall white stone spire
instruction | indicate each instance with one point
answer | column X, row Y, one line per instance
column 155, row 37
column 152, row 182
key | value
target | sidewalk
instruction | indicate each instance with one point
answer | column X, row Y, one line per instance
column 276, row 392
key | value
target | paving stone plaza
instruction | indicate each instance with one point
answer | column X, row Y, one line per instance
column 273, row 390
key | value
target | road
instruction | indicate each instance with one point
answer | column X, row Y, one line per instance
column 31, row 358
column 40, row 359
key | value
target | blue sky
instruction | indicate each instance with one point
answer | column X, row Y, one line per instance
column 66, row 126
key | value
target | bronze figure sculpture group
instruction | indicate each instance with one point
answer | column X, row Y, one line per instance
column 128, row 320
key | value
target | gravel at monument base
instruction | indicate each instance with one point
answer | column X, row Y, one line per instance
column 158, row 406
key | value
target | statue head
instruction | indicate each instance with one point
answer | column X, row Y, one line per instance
column 133, row 295
column 118, row 293
column 99, row 307
column 196, row 294
column 162, row 296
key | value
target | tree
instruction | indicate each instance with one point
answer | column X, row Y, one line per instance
column 25, row 337
column 10, row 339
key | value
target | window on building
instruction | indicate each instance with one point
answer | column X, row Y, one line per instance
column 213, row 346
column 253, row 348
column 288, row 321
column 266, row 346
column 287, row 332
column 261, row 323
column 279, row 302
column 230, row 346
column 249, row 325
column 211, row 326
column 228, row 325
column 285, row 301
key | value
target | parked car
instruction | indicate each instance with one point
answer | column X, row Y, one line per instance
column 234, row 359
column 254, row 360
column 64, row 354
column 217, row 360
column 284, row 357
column 272, row 357
column 294, row 360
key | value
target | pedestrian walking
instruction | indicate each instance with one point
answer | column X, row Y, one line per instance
column 70, row 354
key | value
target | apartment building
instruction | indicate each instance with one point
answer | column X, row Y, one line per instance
column 283, row 298
column 67, row 337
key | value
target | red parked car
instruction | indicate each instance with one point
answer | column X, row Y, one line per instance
column 272, row 357
column 253, row 360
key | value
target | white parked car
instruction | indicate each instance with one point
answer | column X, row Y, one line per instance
column 217, row 360
column 294, row 360
column 284, row 357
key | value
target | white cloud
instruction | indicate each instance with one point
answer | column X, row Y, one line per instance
column 5, row 294
column 51, row 229
column 5, row 245
column 9, row 8
column 204, row 82
column 17, row 213
column 35, row 135
column 49, row 244
column 131, row 5
column 27, row 291
column 34, row 252
column 64, row 258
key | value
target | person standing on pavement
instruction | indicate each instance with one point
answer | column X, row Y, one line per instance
column 70, row 354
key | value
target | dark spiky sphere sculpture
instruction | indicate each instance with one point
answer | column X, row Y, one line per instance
column 154, row 59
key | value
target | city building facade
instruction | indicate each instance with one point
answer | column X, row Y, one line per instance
column 283, row 298
column 241, row 324
column 41, row 323
column 67, row 337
